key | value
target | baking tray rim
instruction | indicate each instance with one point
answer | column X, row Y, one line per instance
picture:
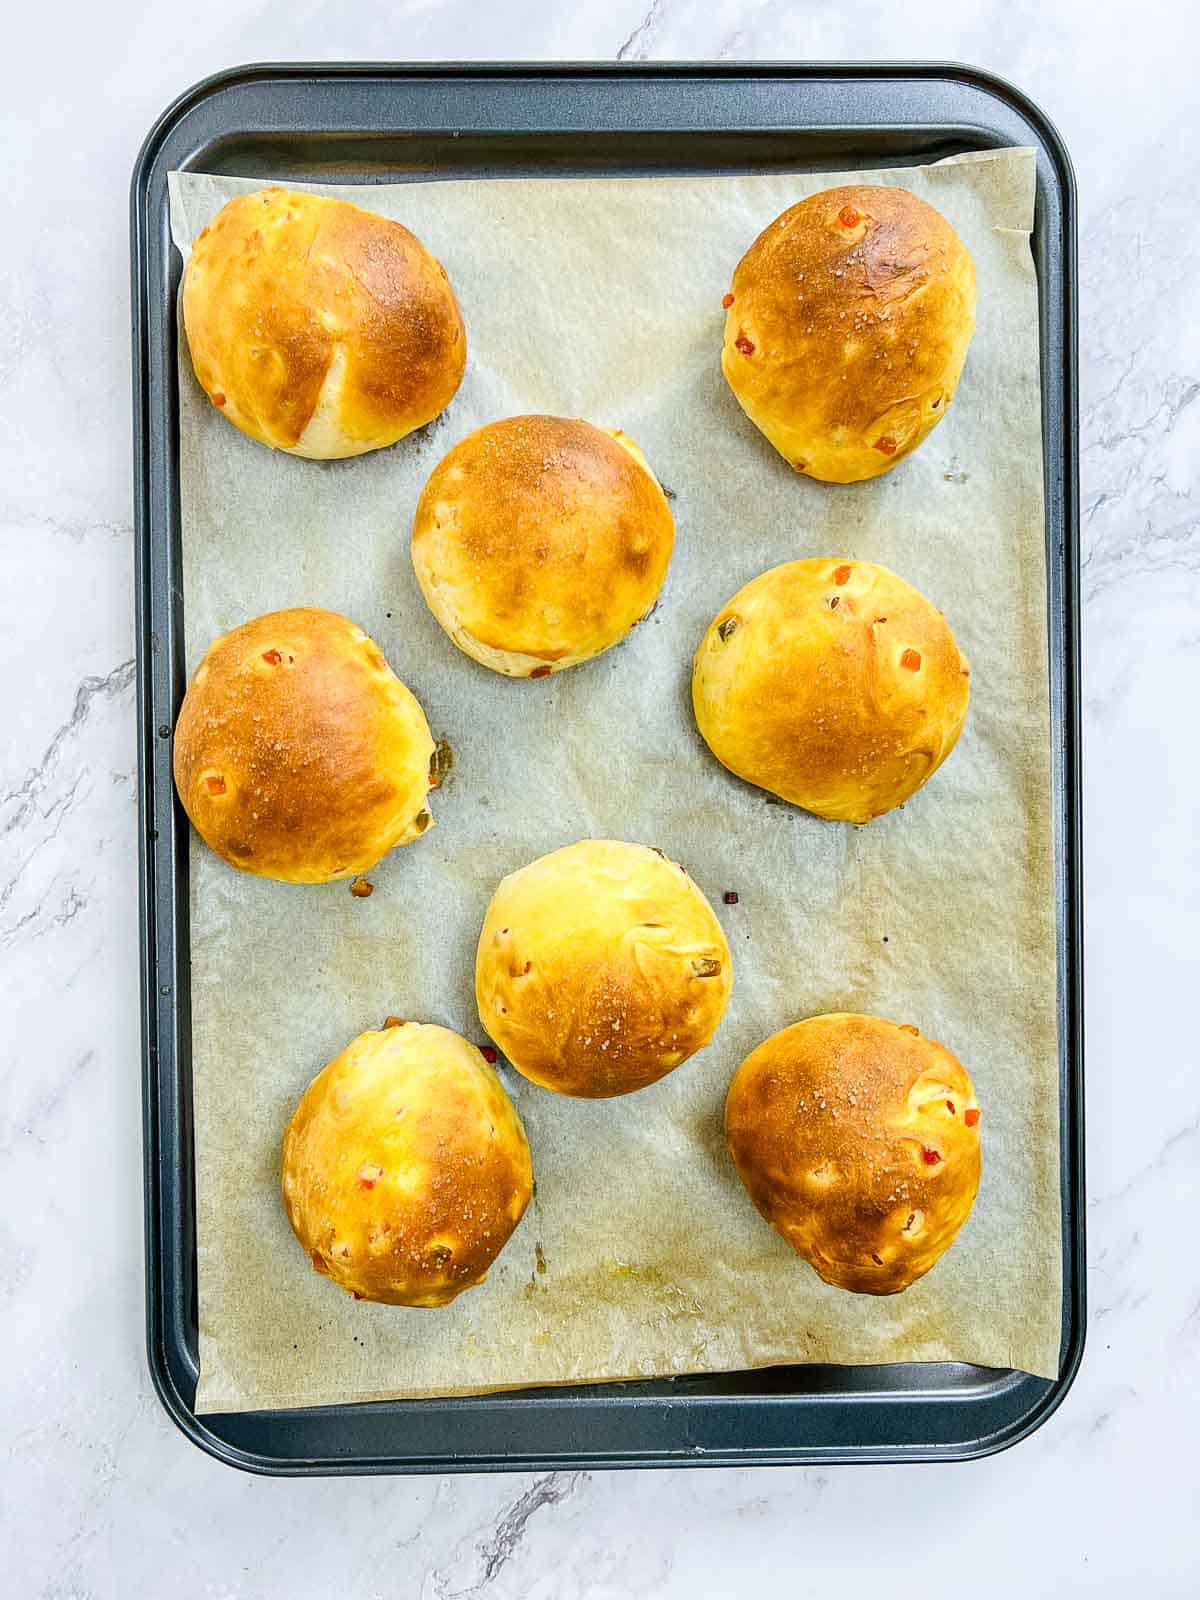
column 1070, row 906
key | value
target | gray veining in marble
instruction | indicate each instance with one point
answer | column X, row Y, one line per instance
column 99, row 1495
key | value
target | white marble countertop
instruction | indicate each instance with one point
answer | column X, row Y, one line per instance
column 100, row 1496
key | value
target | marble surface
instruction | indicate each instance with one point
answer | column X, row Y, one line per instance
column 99, row 1495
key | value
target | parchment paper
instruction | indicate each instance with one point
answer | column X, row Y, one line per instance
column 601, row 298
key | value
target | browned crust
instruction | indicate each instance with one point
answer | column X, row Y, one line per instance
column 283, row 285
column 844, row 344
column 799, row 686
column 318, row 755
column 600, row 968
column 830, row 1123
column 405, row 1167
column 542, row 537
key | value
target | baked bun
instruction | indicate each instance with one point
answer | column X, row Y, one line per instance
column 320, row 328
column 405, row 1167
column 834, row 684
column 600, row 968
column 846, row 329
column 299, row 754
column 539, row 542
column 858, row 1141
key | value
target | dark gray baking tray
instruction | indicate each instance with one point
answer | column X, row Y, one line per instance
column 383, row 124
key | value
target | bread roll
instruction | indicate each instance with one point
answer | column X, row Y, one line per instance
column 299, row 754
column 405, row 1167
column 600, row 968
column 320, row 328
column 833, row 684
column 540, row 541
column 858, row 1140
column 846, row 329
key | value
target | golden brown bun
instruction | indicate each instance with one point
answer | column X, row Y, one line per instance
column 299, row 754
column 600, row 968
column 834, row 684
column 848, row 327
column 320, row 328
column 858, row 1140
column 405, row 1167
column 539, row 542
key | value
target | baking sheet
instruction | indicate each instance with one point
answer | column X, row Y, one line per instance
column 601, row 298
